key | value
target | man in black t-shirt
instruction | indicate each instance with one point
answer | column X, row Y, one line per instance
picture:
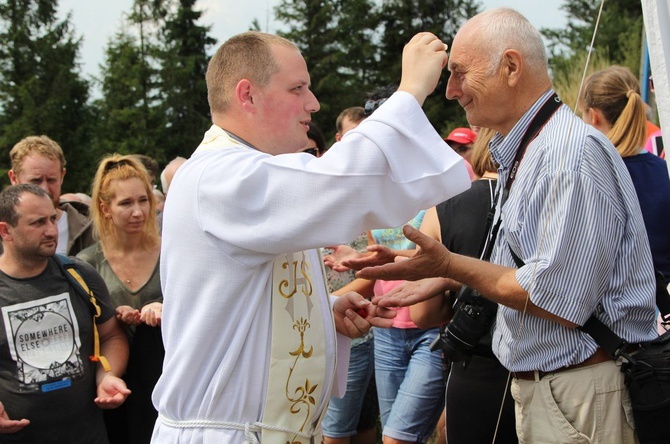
column 51, row 391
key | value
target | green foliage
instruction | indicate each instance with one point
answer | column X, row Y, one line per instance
column 402, row 19
column 183, row 61
column 154, row 94
column 567, row 80
column 129, row 121
column 41, row 88
column 353, row 46
column 618, row 37
column 122, row 118
column 334, row 45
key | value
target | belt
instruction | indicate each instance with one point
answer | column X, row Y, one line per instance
column 599, row 356
column 250, row 429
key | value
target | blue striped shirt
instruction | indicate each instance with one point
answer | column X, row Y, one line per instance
column 573, row 217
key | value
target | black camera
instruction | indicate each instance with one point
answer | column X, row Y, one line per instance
column 473, row 318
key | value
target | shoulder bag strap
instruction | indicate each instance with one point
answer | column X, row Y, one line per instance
column 69, row 270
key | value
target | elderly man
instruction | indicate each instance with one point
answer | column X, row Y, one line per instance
column 249, row 331
column 169, row 171
column 571, row 223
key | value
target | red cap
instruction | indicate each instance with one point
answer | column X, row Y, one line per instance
column 464, row 136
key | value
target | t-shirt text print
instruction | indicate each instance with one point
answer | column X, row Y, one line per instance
column 43, row 338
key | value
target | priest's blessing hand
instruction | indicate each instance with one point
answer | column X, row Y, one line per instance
column 354, row 315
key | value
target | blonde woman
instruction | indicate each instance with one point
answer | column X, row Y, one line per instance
column 126, row 255
column 611, row 103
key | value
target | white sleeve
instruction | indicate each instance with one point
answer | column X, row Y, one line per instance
column 342, row 366
column 380, row 175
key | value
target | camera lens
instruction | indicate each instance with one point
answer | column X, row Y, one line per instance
column 472, row 320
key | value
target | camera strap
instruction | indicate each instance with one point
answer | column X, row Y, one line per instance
column 541, row 118
column 601, row 333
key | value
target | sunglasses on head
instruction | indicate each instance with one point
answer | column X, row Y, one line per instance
column 313, row 151
column 113, row 164
column 372, row 105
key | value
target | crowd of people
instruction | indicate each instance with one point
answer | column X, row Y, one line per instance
column 278, row 290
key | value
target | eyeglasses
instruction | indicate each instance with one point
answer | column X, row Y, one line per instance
column 372, row 105
column 313, row 151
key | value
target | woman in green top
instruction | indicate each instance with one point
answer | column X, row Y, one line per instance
column 127, row 258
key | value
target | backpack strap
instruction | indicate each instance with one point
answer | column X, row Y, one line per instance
column 69, row 270
column 662, row 296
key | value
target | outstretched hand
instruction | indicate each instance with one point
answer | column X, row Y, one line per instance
column 112, row 392
column 339, row 255
column 128, row 315
column 10, row 425
column 345, row 258
column 354, row 315
column 412, row 292
column 430, row 260
column 381, row 254
column 152, row 314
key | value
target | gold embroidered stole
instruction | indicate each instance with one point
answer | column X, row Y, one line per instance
column 295, row 396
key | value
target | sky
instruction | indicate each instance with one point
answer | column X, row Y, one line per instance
column 97, row 21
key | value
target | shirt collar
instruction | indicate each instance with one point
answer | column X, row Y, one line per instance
column 215, row 134
column 503, row 148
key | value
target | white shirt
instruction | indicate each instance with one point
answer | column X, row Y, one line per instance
column 232, row 209
column 63, row 233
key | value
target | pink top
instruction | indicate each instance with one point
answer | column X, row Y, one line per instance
column 402, row 319
column 470, row 171
column 649, row 146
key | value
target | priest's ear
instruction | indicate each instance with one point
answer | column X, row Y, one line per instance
column 245, row 94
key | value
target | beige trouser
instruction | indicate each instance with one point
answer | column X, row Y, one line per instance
column 586, row 405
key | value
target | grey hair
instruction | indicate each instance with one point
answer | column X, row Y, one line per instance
column 506, row 28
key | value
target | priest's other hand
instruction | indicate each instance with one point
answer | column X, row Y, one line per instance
column 354, row 315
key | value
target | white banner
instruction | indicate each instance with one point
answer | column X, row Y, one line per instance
column 656, row 15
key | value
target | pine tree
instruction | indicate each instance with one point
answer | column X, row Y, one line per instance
column 122, row 111
column 183, row 60
column 41, row 87
column 129, row 113
column 619, row 35
column 358, row 52
column 154, row 94
column 402, row 19
column 312, row 27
